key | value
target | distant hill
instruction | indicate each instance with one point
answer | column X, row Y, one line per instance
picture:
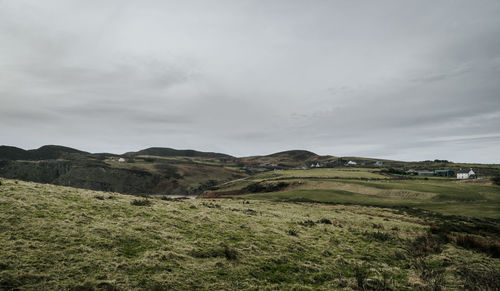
column 191, row 174
column 286, row 159
column 298, row 155
column 12, row 153
column 159, row 170
column 169, row 152
column 47, row 152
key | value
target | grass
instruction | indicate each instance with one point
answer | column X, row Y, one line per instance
column 55, row 237
column 478, row 198
column 475, row 205
column 326, row 173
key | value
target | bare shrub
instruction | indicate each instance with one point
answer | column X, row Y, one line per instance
column 141, row 202
column 479, row 244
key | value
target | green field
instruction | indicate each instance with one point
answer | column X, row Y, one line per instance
column 476, row 198
column 54, row 237
column 329, row 173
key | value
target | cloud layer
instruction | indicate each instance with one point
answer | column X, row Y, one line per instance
column 390, row 79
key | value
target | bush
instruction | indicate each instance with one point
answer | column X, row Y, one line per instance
column 430, row 273
column 292, row 232
column 361, row 272
column 230, row 253
column 224, row 251
column 496, row 180
column 380, row 236
column 325, row 221
column 141, row 202
column 476, row 279
column 261, row 188
column 307, row 223
column 479, row 244
column 425, row 245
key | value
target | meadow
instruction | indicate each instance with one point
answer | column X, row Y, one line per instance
column 371, row 187
column 55, row 237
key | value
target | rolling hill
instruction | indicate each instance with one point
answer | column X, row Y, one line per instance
column 169, row 152
column 167, row 171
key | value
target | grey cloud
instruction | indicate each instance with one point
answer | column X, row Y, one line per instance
column 386, row 79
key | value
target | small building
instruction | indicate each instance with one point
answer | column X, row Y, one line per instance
column 121, row 160
column 444, row 173
column 379, row 164
column 351, row 163
column 317, row 165
column 425, row 173
column 411, row 172
column 466, row 175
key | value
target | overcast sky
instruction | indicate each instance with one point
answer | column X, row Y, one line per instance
column 409, row 80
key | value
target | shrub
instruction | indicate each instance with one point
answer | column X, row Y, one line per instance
column 260, row 187
column 141, row 202
column 477, row 279
column 250, row 212
column 425, row 245
column 224, row 251
column 361, row 272
column 292, row 232
column 430, row 273
column 496, row 180
column 230, row 253
column 479, row 244
column 381, row 236
column 307, row 223
column 325, row 221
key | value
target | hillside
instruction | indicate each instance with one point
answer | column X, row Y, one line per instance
column 46, row 152
column 365, row 186
column 286, row 159
column 141, row 174
column 55, row 237
column 166, row 171
column 168, row 152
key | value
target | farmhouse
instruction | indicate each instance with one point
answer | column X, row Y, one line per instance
column 379, row 163
column 351, row 163
column 466, row 175
column 121, row 160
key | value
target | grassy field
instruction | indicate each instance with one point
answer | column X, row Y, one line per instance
column 54, row 237
column 330, row 173
column 475, row 198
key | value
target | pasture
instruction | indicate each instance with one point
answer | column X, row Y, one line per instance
column 55, row 237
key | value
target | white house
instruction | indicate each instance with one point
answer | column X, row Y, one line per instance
column 379, row 163
column 466, row 175
column 351, row 163
column 121, row 160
